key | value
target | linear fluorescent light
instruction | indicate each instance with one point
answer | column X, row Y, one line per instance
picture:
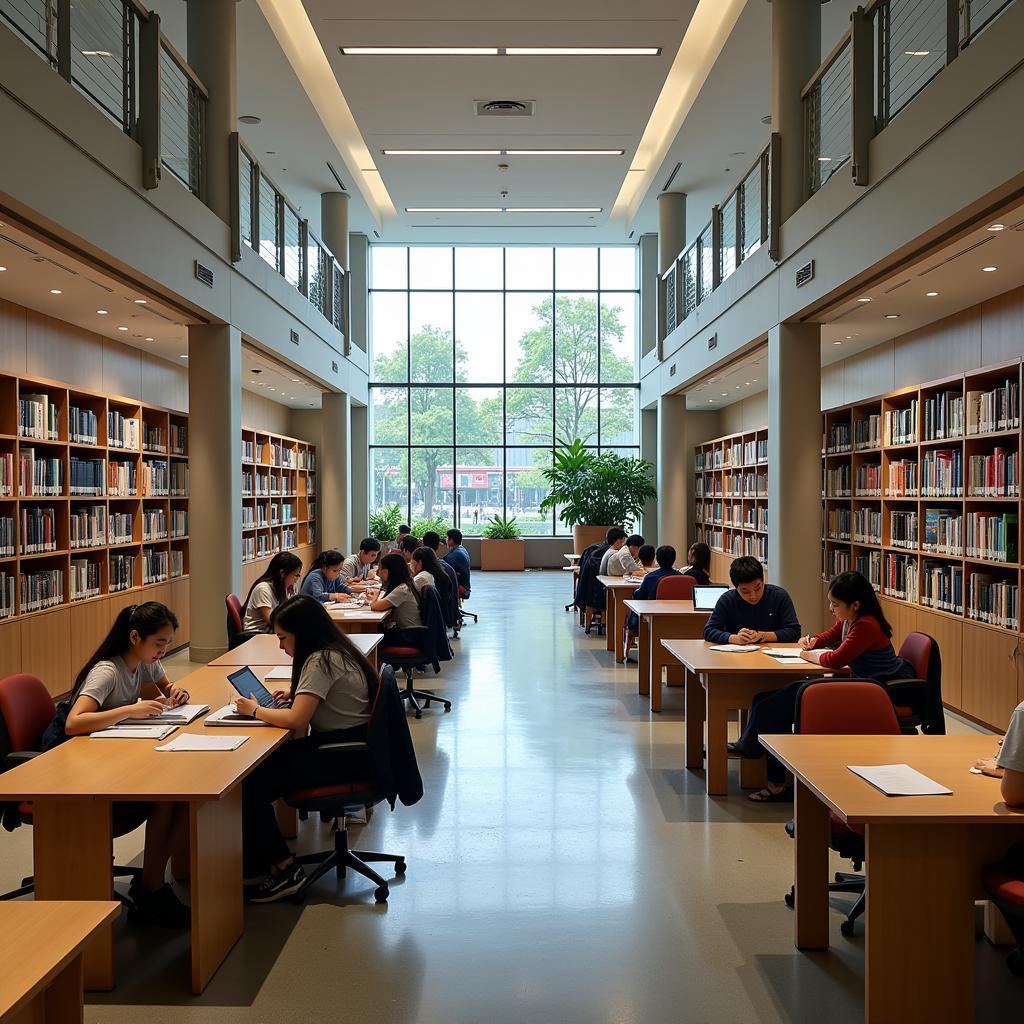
column 564, row 152
column 503, row 152
column 553, row 209
column 582, row 51
column 503, row 51
column 453, row 209
column 419, row 51
column 499, row 209
column 441, row 152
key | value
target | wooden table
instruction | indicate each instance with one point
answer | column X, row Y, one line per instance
column 572, row 558
column 616, row 590
column 730, row 682
column 41, row 947
column 73, row 786
column 359, row 621
column 923, row 858
column 266, row 650
column 663, row 620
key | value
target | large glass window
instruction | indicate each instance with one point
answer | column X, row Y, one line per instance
column 487, row 358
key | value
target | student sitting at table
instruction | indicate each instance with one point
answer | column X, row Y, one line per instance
column 407, row 545
column 698, row 564
column 400, row 595
column 432, row 540
column 357, row 570
column 754, row 612
column 323, row 582
column 860, row 640
column 645, row 556
column 277, row 583
column 1008, row 764
column 665, row 556
column 626, row 561
column 458, row 558
column 427, row 571
column 125, row 679
column 616, row 540
column 330, row 694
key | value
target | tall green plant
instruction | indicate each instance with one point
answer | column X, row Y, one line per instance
column 597, row 490
column 439, row 523
column 384, row 522
column 500, row 528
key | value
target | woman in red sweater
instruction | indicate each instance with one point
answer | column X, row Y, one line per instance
column 860, row 639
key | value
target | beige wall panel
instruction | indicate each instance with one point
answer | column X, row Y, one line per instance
column 832, row 377
column 46, row 649
column 868, row 373
column 61, row 351
column 10, row 649
column 259, row 413
column 13, row 334
column 122, row 370
column 749, row 414
column 939, row 350
column 1002, row 328
column 164, row 384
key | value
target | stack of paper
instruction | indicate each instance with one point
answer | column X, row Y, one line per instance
column 282, row 674
column 734, row 648
column 785, row 655
column 899, row 780
column 134, row 731
column 194, row 741
column 181, row 715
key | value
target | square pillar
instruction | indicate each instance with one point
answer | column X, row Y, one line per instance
column 334, row 473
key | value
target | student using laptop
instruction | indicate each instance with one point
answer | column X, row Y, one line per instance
column 323, row 582
column 117, row 683
column 665, row 556
column 330, row 694
column 754, row 612
column 626, row 561
column 266, row 593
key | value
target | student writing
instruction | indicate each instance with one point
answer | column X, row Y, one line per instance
column 323, row 582
column 401, row 596
column 267, row 592
column 357, row 570
column 626, row 560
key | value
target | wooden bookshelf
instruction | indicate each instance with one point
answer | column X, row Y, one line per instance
column 72, row 464
column 731, row 491
column 279, row 500
column 908, row 481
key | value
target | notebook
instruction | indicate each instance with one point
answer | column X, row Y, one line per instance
column 227, row 716
column 705, row 598
column 280, row 674
column 135, row 731
column 181, row 715
column 197, row 741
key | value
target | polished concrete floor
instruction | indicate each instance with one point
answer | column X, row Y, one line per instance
column 562, row 868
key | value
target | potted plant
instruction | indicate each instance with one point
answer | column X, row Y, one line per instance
column 384, row 523
column 502, row 548
column 596, row 492
column 439, row 523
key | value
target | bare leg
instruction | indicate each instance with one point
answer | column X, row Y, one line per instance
column 165, row 827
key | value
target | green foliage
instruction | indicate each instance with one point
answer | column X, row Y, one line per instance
column 597, row 490
column 439, row 524
column 500, row 528
column 384, row 522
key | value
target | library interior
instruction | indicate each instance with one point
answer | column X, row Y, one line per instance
column 345, row 351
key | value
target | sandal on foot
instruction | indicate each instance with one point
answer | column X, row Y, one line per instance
column 767, row 796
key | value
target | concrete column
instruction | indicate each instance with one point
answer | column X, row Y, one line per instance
column 649, row 451
column 359, row 470
column 796, row 54
column 334, row 468
column 649, row 277
column 358, row 281
column 213, row 55
column 794, row 466
column 671, row 228
column 334, row 225
column 215, row 480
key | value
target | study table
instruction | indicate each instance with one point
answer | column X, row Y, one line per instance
column 265, row 650
column 923, row 859
column 357, row 620
column 662, row 620
column 41, row 951
column 73, row 786
column 616, row 590
column 730, row 682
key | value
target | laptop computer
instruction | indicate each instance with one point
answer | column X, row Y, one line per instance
column 705, row 598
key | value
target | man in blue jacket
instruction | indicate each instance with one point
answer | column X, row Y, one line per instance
column 754, row 612
column 665, row 557
column 458, row 559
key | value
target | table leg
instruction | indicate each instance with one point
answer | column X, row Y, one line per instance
column 620, row 625
column 609, row 619
column 215, row 831
column 693, row 700
column 718, row 739
column 753, row 773
column 919, row 955
column 62, row 1000
column 72, row 841
column 810, row 869
column 372, row 659
column 644, row 640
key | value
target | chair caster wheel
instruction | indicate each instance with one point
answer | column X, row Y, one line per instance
column 790, row 899
column 426, row 703
column 447, row 705
column 847, row 928
column 400, row 867
column 380, row 894
column 419, row 714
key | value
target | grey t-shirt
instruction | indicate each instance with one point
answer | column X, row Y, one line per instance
column 407, row 609
column 424, row 579
column 262, row 596
column 605, row 559
column 622, row 563
column 341, row 689
column 111, row 685
column 1011, row 753
column 353, row 569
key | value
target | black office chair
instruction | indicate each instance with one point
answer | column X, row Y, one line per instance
column 382, row 768
column 463, row 611
column 427, row 645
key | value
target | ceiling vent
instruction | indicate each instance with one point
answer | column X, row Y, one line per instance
column 956, row 256
column 504, row 108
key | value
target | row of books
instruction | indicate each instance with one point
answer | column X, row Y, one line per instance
column 122, row 572
column 8, row 537
column 992, row 536
column 900, row 577
column 179, row 522
column 867, row 433
column 869, row 565
column 39, row 477
column 38, row 417
column 994, row 475
column 942, row 586
column 179, row 439
column 155, row 565
column 839, row 435
column 84, row 580
column 83, row 426
column 942, row 472
column 867, row 526
column 7, row 591
column 6, row 474
column 122, row 478
column 154, row 479
column 993, row 601
column 88, row 526
column 899, row 426
column 41, row 589
column 122, row 431
column 903, row 529
column 998, row 409
column 179, row 479
column 838, row 524
column 733, row 455
column 902, row 478
column 154, row 524
column 756, row 547
column 154, row 439
column 248, row 520
column 868, row 480
column 38, row 526
column 944, row 416
column 85, row 477
column 943, row 531
column 755, row 451
column 755, row 517
column 122, row 528
column 837, row 481
column 288, row 537
column 837, row 560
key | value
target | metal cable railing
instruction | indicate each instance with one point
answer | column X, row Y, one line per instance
column 828, row 117
column 730, row 219
column 690, row 290
column 977, row 15
column 752, row 203
column 36, row 22
column 911, row 38
column 292, row 250
column 182, row 110
column 671, row 310
column 104, row 48
column 706, row 281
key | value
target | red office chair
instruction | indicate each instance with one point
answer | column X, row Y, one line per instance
column 1006, row 890
column 382, row 768
column 851, row 707
column 234, row 607
column 675, row 588
column 918, row 701
column 26, row 709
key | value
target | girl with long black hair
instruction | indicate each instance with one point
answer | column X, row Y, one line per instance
column 275, row 585
column 698, row 563
column 401, row 595
column 331, row 693
column 427, row 571
column 124, row 679
column 323, row 582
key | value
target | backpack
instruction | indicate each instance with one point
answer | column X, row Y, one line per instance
column 55, row 733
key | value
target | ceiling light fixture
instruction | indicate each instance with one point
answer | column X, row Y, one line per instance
column 56, row 291
column 837, row 343
column 989, row 270
column 453, row 209
column 96, row 53
column 295, row 380
column 419, row 51
column 102, row 312
column 441, row 152
column 916, row 53
column 184, row 355
column 500, row 51
column 824, row 159
column 503, row 152
column 564, row 152
column 931, row 295
column 150, row 339
column 250, row 119
column 725, row 394
column 553, row 209
column 864, row 299
column 892, row 316
column 995, row 227
column 583, row 51
column 140, row 302
column 122, row 328
column 3, row 270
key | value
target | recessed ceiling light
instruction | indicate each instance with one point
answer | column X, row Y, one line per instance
column 250, row 119
column 995, row 227
column 564, row 152
column 864, row 298
column 140, row 302
column 441, row 152
column 295, row 380
column 273, row 389
column 56, row 291
column 989, row 270
column 837, row 343
column 494, row 51
column 184, row 355
column 747, row 384
column 553, row 209
column 916, row 53
column 150, row 339
column 931, row 295
column 102, row 312
column 710, row 401
column 453, row 209
column 892, row 316
column 122, row 328
column 725, row 394
column 3, row 270
column 754, row 380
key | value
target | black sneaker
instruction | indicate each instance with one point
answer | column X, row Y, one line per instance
column 160, row 907
column 280, row 887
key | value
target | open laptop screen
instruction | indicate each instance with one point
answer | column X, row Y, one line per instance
column 705, row 598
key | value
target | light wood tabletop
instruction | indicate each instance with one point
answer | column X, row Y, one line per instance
column 266, row 650
column 360, row 620
column 663, row 620
column 41, row 952
column 616, row 590
column 730, row 682
column 73, row 787
column 923, row 860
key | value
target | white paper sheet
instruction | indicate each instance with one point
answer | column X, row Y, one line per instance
column 899, row 780
column 281, row 673
column 781, row 652
column 134, row 732
column 192, row 741
column 735, row 648
column 228, row 717
column 790, row 660
column 180, row 715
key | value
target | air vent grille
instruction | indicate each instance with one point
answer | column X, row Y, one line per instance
column 204, row 274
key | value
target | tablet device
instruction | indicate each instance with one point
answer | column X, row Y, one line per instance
column 246, row 683
column 705, row 598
